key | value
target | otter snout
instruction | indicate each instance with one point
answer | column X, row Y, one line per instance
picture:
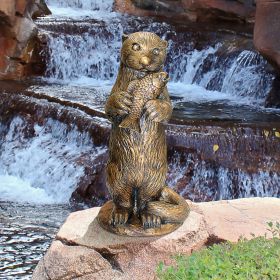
column 145, row 61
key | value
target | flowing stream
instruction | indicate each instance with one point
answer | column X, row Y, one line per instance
column 211, row 79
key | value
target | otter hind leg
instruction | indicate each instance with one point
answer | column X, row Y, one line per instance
column 170, row 208
column 119, row 216
column 121, row 194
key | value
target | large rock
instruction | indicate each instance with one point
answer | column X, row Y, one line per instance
column 266, row 32
column 83, row 250
column 221, row 9
column 18, row 36
column 198, row 10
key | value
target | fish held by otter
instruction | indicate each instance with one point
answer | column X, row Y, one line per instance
column 143, row 90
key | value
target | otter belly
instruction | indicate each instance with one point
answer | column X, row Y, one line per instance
column 140, row 158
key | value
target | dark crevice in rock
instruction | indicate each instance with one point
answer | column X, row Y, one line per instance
column 213, row 239
column 18, row 14
column 111, row 258
column 273, row 98
column 67, row 242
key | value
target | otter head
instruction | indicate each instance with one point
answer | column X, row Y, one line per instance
column 143, row 51
column 160, row 79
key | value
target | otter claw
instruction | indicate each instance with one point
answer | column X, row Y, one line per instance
column 119, row 217
column 150, row 221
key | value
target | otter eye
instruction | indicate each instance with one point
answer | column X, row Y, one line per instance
column 156, row 51
column 136, row 47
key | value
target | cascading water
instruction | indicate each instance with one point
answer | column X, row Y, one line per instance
column 105, row 5
column 88, row 52
column 208, row 182
column 42, row 169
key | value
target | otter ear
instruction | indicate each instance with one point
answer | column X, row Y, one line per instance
column 124, row 37
column 164, row 43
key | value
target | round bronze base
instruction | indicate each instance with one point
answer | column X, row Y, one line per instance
column 134, row 226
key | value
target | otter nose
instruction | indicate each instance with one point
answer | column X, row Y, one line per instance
column 145, row 61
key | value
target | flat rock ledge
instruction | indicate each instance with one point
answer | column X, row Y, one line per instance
column 83, row 250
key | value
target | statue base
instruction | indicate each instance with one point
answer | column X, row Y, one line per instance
column 133, row 227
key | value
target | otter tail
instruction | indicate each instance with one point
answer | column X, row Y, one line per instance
column 130, row 123
column 171, row 207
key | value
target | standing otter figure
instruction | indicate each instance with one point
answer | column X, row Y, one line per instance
column 141, row 203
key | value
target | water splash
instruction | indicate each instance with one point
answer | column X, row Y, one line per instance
column 241, row 75
column 185, row 66
column 43, row 168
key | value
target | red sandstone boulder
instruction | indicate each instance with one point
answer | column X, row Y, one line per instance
column 83, row 250
column 267, row 31
column 18, row 36
column 221, row 9
column 194, row 10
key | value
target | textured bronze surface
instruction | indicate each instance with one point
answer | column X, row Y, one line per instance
column 143, row 90
column 137, row 166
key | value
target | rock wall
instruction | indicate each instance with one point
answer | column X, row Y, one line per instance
column 266, row 32
column 198, row 10
column 266, row 41
column 18, row 37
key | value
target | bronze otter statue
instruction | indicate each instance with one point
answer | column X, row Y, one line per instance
column 141, row 203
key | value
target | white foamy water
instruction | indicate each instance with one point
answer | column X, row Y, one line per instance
column 17, row 190
column 78, row 9
column 190, row 63
column 241, row 76
column 43, row 168
column 104, row 5
column 83, row 57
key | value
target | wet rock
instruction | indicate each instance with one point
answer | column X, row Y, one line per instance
column 18, row 37
column 92, row 188
column 266, row 32
column 273, row 98
column 128, row 257
column 223, row 10
column 199, row 10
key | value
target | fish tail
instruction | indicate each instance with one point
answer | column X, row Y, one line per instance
column 130, row 123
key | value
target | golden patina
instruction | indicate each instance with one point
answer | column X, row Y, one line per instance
column 139, row 104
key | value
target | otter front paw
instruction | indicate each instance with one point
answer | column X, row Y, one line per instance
column 119, row 216
column 150, row 220
column 118, row 103
column 158, row 110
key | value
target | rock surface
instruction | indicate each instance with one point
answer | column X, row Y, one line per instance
column 18, row 37
column 198, row 10
column 83, row 250
column 266, row 32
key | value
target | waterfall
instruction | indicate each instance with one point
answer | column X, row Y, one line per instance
column 104, row 5
column 210, row 182
column 89, row 52
column 40, row 164
column 242, row 75
column 83, row 56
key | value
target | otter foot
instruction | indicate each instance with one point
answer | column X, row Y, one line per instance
column 119, row 216
column 150, row 220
